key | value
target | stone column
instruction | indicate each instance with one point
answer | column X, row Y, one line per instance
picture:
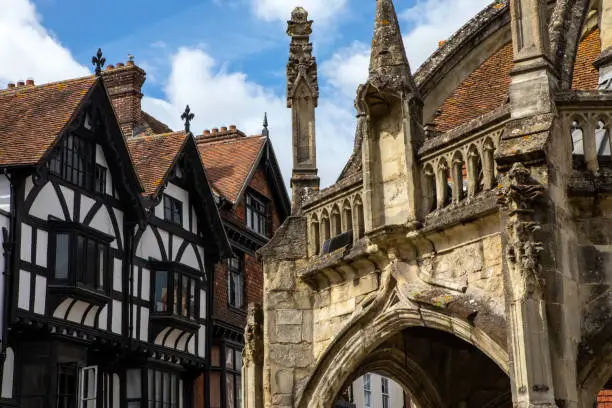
column 604, row 62
column 533, row 77
column 528, row 328
column 252, row 359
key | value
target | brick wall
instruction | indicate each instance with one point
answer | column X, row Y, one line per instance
column 253, row 278
column 604, row 400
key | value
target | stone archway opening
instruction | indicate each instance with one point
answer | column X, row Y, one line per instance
column 434, row 369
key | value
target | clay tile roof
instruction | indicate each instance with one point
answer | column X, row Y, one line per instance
column 229, row 162
column 153, row 157
column 153, row 125
column 486, row 89
column 32, row 117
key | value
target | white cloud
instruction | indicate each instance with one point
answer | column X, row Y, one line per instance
column 319, row 10
column 433, row 21
column 27, row 50
column 347, row 68
column 220, row 98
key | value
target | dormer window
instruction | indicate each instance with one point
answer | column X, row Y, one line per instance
column 173, row 210
column 257, row 215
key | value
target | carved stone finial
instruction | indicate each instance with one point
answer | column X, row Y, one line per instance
column 302, row 65
column 389, row 67
column 98, row 61
column 187, row 116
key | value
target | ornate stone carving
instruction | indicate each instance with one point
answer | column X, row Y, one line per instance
column 521, row 198
column 253, row 336
column 302, row 65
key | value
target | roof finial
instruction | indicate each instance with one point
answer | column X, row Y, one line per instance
column 187, row 116
column 98, row 60
column 265, row 131
column 389, row 67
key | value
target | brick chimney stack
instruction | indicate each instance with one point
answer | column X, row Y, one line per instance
column 124, row 84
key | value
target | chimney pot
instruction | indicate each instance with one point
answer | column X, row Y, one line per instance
column 11, row 85
column 120, row 64
column 441, row 43
column 110, row 67
column 224, row 128
column 130, row 63
column 30, row 82
column 215, row 130
column 232, row 127
column 206, row 132
column 20, row 83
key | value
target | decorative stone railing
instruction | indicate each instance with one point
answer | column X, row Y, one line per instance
column 334, row 211
column 586, row 119
column 459, row 165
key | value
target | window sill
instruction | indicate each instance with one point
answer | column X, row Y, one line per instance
column 94, row 297
column 178, row 322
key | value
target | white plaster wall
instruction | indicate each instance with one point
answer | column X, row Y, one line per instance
column 176, row 245
column 189, row 257
column 182, row 195
column 86, row 205
column 144, row 324
column 69, row 198
column 42, row 242
column 103, row 223
column 146, row 284
column 5, row 193
column 40, row 295
column 47, row 203
column 148, row 246
column 116, row 317
column 117, row 266
column 26, row 243
column 24, row 290
column 7, row 374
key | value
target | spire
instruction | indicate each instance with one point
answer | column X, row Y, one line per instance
column 265, row 132
column 389, row 68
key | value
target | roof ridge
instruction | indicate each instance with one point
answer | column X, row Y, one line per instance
column 156, row 135
column 26, row 88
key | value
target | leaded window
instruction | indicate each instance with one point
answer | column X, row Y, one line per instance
column 80, row 259
column 175, row 293
column 74, row 161
column 163, row 389
column 257, row 218
column 173, row 210
column 236, row 281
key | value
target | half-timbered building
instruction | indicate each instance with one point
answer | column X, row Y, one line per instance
column 108, row 248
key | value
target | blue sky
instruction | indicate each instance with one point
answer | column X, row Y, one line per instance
column 226, row 58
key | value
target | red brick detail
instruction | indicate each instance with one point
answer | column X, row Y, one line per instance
column 124, row 85
column 586, row 77
column 604, row 399
column 253, row 270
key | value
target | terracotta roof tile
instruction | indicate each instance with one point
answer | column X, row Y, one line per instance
column 153, row 157
column 32, row 117
column 229, row 162
column 154, row 126
column 586, row 77
column 486, row 89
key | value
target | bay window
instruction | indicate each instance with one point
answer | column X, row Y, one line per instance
column 80, row 259
column 176, row 292
column 154, row 388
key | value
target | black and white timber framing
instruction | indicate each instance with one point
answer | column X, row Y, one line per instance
column 104, row 292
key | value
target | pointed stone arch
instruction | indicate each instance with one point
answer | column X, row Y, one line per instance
column 376, row 324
